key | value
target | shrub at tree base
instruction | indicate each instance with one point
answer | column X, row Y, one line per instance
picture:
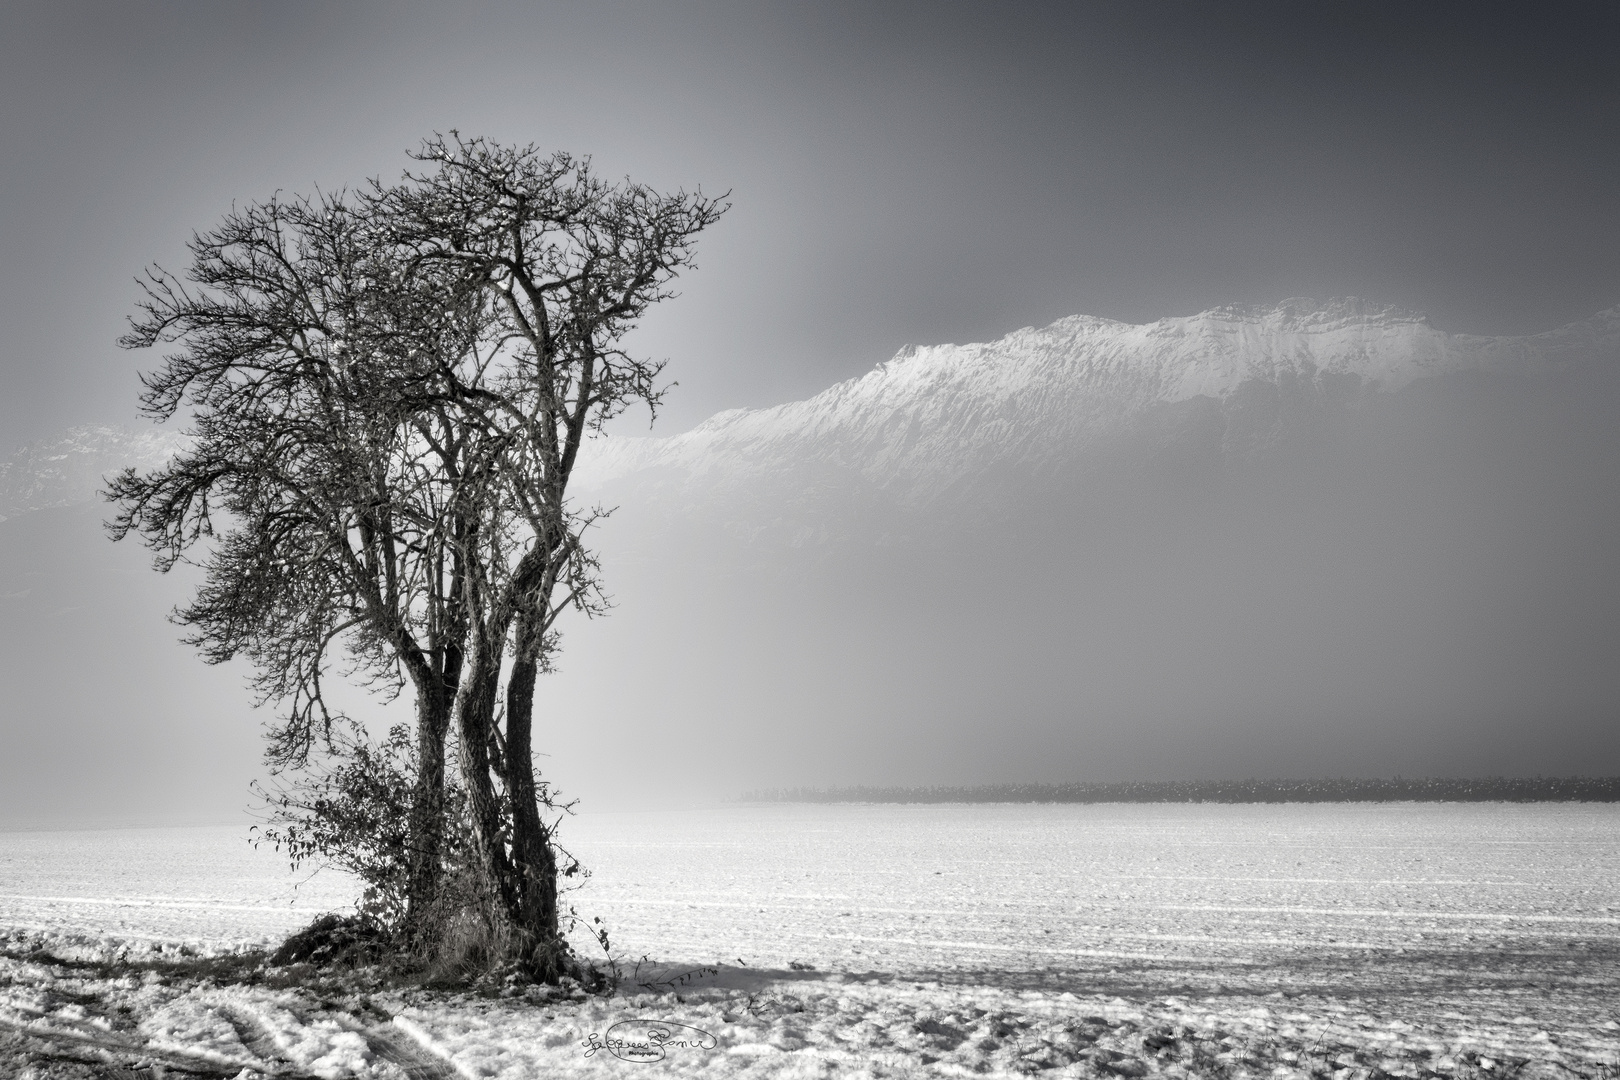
column 351, row 813
column 351, row 940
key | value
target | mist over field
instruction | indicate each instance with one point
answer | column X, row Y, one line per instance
column 1076, row 554
column 1293, row 579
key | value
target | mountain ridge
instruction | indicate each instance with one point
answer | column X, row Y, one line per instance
column 1219, row 545
column 917, row 421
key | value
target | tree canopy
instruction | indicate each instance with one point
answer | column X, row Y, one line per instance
column 389, row 389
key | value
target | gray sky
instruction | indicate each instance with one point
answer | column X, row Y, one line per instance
column 900, row 172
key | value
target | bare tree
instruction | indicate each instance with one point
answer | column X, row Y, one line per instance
column 315, row 491
column 567, row 264
column 389, row 393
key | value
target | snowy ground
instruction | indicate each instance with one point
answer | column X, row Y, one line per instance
column 206, row 886
column 1336, row 940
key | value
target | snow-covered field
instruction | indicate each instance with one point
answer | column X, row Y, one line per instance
column 205, row 886
column 1329, row 940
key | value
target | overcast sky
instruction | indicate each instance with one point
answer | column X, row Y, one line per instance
column 899, row 172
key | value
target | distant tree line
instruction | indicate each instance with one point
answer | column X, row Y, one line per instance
column 1424, row 789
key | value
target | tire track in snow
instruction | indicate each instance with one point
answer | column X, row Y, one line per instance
column 151, row 902
column 398, row 1047
column 1106, row 954
column 126, row 1050
column 428, row 1051
column 252, row 1034
column 1391, row 913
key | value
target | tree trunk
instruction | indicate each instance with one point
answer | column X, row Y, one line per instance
column 475, row 713
column 535, row 862
column 426, row 853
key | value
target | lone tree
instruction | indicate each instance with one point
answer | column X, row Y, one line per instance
column 389, row 391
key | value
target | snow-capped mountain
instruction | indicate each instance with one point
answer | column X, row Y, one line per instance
column 69, row 468
column 932, row 418
column 940, row 421
column 1292, row 541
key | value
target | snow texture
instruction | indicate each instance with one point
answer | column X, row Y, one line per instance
column 1337, row 940
column 206, row 887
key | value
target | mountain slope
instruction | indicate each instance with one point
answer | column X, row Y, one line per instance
column 1314, row 540
column 1304, row 541
column 920, row 424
